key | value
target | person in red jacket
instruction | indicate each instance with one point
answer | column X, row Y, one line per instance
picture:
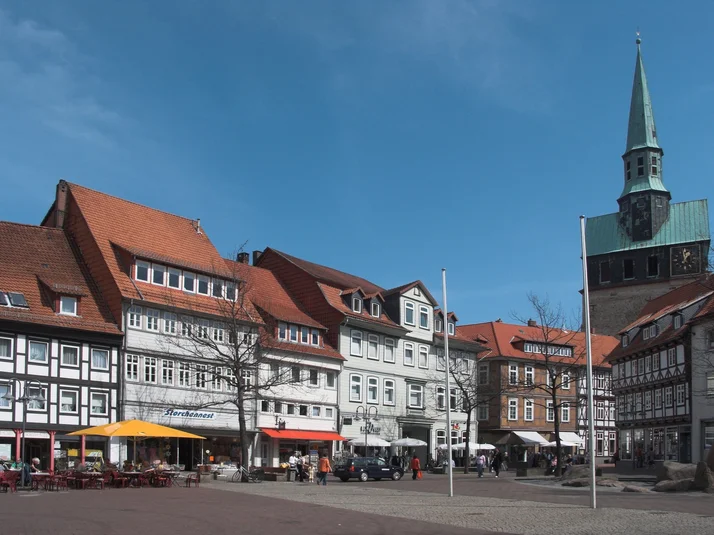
column 415, row 466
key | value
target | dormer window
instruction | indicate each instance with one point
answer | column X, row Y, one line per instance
column 640, row 166
column 158, row 274
column 677, row 321
column 68, row 305
column 142, row 271
column 375, row 310
column 356, row 304
column 423, row 317
column 452, row 328
column 625, row 340
column 649, row 332
column 417, row 291
column 438, row 325
column 409, row 313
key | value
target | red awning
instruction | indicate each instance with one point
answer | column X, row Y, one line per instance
column 303, row 435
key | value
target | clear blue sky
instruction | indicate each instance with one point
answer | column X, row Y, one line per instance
column 385, row 138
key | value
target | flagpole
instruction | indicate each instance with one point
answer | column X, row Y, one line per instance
column 448, row 390
column 588, row 349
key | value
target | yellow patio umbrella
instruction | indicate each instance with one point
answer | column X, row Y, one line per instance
column 135, row 429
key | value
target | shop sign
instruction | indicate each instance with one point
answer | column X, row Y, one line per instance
column 371, row 429
column 196, row 415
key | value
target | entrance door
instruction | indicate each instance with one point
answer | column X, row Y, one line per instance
column 421, row 433
column 685, row 447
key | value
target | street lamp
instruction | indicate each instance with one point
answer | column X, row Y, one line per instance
column 367, row 416
column 13, row 388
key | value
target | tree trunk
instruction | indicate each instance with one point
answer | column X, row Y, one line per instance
column 243, row 432
column 556, row 420
column 468, row 441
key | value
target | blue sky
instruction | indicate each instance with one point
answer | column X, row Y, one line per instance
column 384, row 138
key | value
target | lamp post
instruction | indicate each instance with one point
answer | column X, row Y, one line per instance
column 367, row 416
column 13, row 389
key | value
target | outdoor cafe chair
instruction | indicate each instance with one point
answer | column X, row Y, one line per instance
column 8, row 480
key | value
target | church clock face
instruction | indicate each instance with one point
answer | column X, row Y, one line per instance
column 685, row 260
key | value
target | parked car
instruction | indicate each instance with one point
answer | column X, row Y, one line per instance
column 364, row 468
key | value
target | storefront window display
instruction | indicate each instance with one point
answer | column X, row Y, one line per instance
column 672, row 444
column 708, row 438
column 657, row 443
column 626, row 445
column 638, row 445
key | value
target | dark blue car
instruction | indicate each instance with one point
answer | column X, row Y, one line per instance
column 364, row 468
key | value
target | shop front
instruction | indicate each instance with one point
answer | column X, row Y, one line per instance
column 277, row 445
column 667, row 443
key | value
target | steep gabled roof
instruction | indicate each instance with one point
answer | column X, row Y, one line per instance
column 335, row 299
column 40, row 263
column 406, row 287
column 500, row 337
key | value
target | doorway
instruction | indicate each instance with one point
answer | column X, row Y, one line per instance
column 420, row 433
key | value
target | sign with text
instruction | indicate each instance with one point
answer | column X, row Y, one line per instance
column 195, row 415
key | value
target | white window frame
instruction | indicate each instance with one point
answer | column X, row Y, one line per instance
column 440, row 360
column 153, row 317
column 356, row 343
column 207, row 280
column 69, row 346
column 217, row 332
column 482, row 412
column 565, row 412
column 423, row 314
column 452, row 328
column 145, row 265
column 30, row 360
column 10, row 352
column 372, row 386
column 135, row 320
column 415, row 388
column 512, row 374
column 92, row 363
column 105, row 396
column 75, row 393
column 671, row 357
column 149, row 364
column 329, row 374
column 131, row 368
column 681, row 395
column 512, row 409
column 409, row 306
column 565, row 380
column 529, row 374
column 167, row 372
column 183, row 370
column 408, row 346
column 216, row 283
column 314, row 337
column 329, row 413
column 390, row 349
column 373, row 344
column 453, row 399
column 677, row 321
column 374, row 310
column 549, row 412
column 282, row 330
column 188, row 276
column 35, row 405
column 316, row 411
column 356, row 304
column 389, row 391
column 158, row 268
column 440, row 398
column 356, row 380
column 304, row 335
column 176, row 272
column 170, row 321
column 66, row 299
column 201, row 377
column 423, row 352
column 293, row 333
column 313, row 372
column 528, row 405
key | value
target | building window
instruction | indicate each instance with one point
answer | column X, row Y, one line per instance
column 38, row 352
column 375, row 310
column 482, row 413
column 304, row 335
column 135, row 317
column 423, row 357
column 681, row 397
column 389, row 395
column 37, row 405
column 265, row 405
column 217, row 290
column 654, row 165
column 356, row 344
column 440, row 360
column 293, row 333
column 169, row 323
column 70, row 356
column 453, row 400
column 452, row 328
column 295, row 374
column 549, row 412
column 100, row 359
column 668, row 401
column 356, row 304
column 203, row 328
column 628, row 269
column 356, row 388
column 329, row 412
column 710, row 385
column 655, row 361
column 174, row 278
column 68, row 402
column 316, row 411
column 203, row 284
column 628, row 172
column 388, row 350
column 440, row 437
column 440, row 398
column 167, row 372
column 6, row 348
column 672, row 356
column 438, row 325
column 648, row 363
column 186, row 326
column 652, row 266
column 201, row 379
column 409, row 313
column 231, row 292
column 372, row 390
column 625, row 340
column 373, row 347
column 658, row 398
column 513, row 374
column 605, row 271
column 408, row 354
column 68, row 305
column 184, row 374
column 416, row 396
column 648, row 400
column 529, row 375
column 303, row 410
column 152, row 319
column 158, row 274
column 313, row 378
column 99, row 403
column 640, row 166
column 330, row 380
column 423, row 317
column 528, row 410
column 189, row 282
column 282, row 331
column 149, row 370
column 142, row 271
column 565, row 381
column 483, row 373
column 216, row 382
column 565, row 412
column 132, row 367
column 512, row 409
column 677, row 321
column 314, row 337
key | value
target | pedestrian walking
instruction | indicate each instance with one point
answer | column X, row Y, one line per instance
column 323, row 468
column 480, row 463
column 415, row 466
column 496, row 462
column 299, row 464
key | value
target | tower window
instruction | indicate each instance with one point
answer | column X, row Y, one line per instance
column 628, row 269
column 627, row 169
column 654, row 165
column 653, row 266
column 658, row 202
column 640, row 166
column 605, row 271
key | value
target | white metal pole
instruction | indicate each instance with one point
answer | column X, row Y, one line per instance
column 588, row 349
column 448, row 390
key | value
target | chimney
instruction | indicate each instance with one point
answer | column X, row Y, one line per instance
column 198, row 225
column 532, row 323
column 243, row 258
column 61, row 203
column 256, row 256
column 592, row 330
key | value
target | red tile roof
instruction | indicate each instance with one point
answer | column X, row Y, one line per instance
column 406, row 287
column 150, row 234
column 499, row 337
column 336, row 300
column 40, row 261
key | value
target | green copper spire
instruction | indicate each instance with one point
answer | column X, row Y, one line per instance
column 641, row 131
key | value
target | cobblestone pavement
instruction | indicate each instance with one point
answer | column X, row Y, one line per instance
column 499, row 505
column 192, row 511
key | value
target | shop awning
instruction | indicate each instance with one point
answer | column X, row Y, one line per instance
column 531, row 438
column 569, row 436
column 303, row 435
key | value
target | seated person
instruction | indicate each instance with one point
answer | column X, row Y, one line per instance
column 80, row 467
column 35, row 466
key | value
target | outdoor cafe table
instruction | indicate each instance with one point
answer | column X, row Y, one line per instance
column 133, row 478
column 38, row 478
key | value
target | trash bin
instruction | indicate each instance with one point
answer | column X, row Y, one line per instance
column 291, row 474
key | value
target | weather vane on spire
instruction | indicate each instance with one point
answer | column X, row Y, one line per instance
column 639, row 39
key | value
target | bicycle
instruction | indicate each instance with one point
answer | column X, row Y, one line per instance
column 255, row 475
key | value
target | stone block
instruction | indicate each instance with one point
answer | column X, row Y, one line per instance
column 703, row 478
column 634, row 488
column 671, row 471
column 578, row 471
column 679, row 485
column 576, row 483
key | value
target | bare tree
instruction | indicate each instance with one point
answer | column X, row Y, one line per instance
column 562, row 359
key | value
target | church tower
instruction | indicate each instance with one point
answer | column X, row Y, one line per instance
column 650, row 245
